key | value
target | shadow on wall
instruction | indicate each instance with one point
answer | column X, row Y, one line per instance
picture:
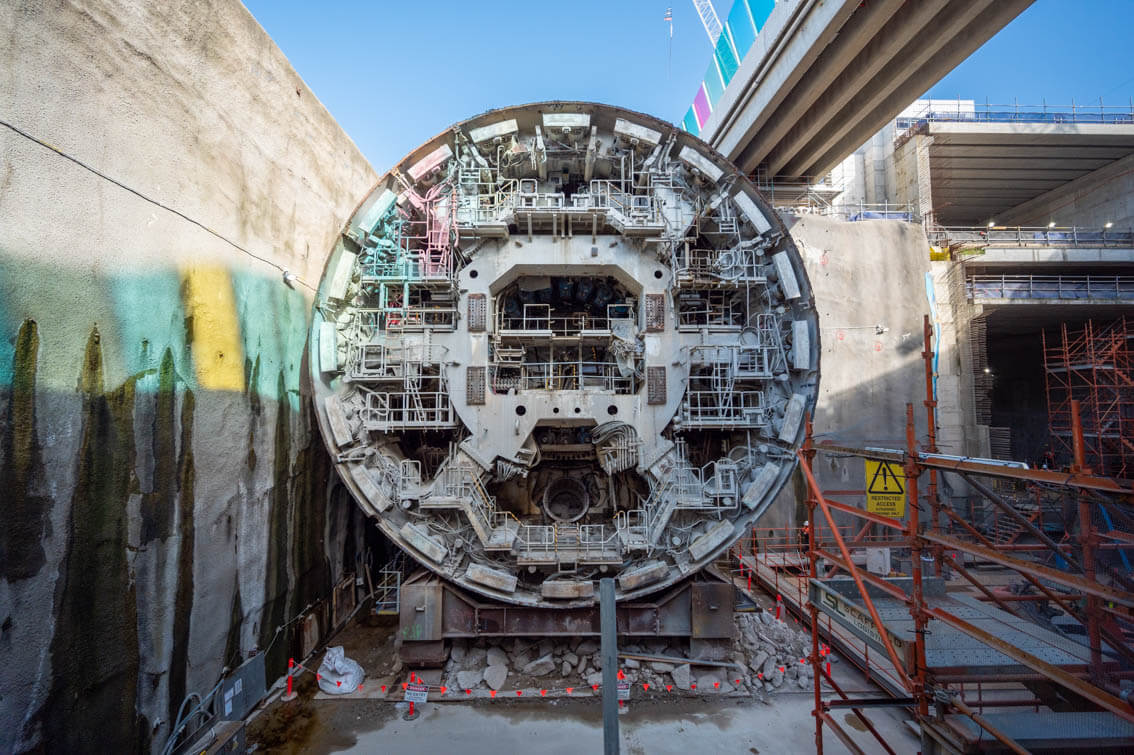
column 167, row 501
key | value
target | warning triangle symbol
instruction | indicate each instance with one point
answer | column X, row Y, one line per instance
column 885, row 480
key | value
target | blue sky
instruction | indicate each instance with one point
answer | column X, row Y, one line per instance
column 395, row 74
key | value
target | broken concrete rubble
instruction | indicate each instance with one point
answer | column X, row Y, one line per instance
column 764, row 657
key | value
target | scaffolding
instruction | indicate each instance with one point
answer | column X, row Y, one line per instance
column 935, row 647
column 1094, row 366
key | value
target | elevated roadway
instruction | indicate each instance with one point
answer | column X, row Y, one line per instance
column 824, row 75
column 979, row 171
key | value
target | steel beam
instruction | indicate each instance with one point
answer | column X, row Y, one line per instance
column 970, row 466
column 1089, row 691
column 1011, row 511
column 898, row 667
column 885, row 521
column 1089, row 587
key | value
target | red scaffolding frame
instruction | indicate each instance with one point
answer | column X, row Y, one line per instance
column 1093, row 365
column 1082, row 586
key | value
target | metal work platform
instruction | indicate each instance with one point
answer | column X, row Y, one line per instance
column 948, row 652
column 1052, row 732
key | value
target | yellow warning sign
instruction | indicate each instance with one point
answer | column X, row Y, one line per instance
column 885, row 489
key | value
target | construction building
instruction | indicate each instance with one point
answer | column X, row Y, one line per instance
column 791, row 394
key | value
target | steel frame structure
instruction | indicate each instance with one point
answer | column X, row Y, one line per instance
column 1102, row 607
column 1093, row 366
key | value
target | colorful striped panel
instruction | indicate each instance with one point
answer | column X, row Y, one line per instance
column 760, row 10
column 702, row 107
column 690, row 123
column 740, row 28
column 725, row 59
column 714, row 83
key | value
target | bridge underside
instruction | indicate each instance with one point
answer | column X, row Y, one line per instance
column 979, row 171
column 825, row 76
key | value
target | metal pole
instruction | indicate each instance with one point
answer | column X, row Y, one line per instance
column 916, row 608
column 812, row 528
column 1087, row 540
column 931, row 419
column 609, row 628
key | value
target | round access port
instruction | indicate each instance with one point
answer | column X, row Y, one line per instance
column 566, row 499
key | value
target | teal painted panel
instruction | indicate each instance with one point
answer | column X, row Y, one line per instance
column 689, row 124
column 274, row 321
column 714, row 84
column 725, row 59
column 740, row 28
column 760, row 10
column 149, row 318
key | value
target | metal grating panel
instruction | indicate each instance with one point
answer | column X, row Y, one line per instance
column 655, row 385
column 655, row 313
column 474, row 385
column 478, row 313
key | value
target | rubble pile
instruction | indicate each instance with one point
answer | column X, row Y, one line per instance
column 765, row 658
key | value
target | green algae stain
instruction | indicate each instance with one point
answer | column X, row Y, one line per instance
column 94, row 651
column 25, row 512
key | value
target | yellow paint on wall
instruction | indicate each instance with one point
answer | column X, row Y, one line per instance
column 214, row 328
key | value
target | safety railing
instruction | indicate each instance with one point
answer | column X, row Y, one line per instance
column 407, row 411
column 632, row 526
column 856, row 211
column 389, row 360
column 1053, row 287
column 730, row 266
column 537, row 318
column 709, row 409
column 595, row 539
column 738, row 361
column 414, row 318
column 536, row 539
column 1015, row 113
column 1029, row 237
column 561, row 376
column 710, row 308
column 626, row 208
column 407, row 266
column 484, row 202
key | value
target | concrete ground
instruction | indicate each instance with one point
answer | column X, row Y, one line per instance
column 497, row 727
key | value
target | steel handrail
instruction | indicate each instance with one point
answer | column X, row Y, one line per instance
column 1059, row 287
column 1030, row 236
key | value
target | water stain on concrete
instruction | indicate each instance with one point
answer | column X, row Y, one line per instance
column 26, row 522
column 183, row 598
column 94, row 651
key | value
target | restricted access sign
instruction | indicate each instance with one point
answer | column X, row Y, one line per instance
column 885, row 489
column 417, row 693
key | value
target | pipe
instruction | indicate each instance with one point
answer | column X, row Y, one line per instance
column 983, row 723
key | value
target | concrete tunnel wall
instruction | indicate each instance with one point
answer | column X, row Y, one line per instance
column 166, row 500
column 864, row 274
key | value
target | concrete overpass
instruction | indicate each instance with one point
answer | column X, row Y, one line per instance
column 980, row 171
column 824, row 75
